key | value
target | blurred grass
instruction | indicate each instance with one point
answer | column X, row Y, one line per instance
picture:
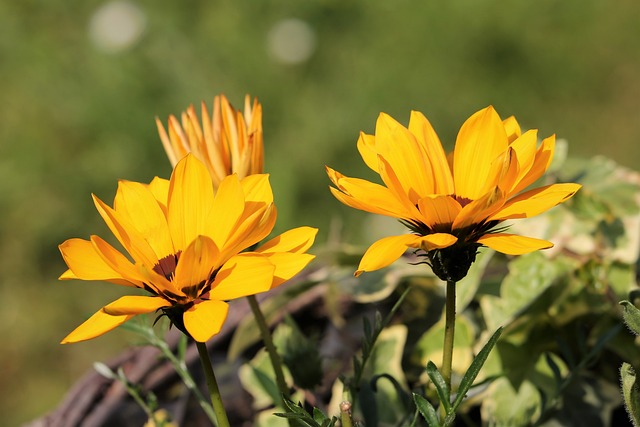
column 74, row 119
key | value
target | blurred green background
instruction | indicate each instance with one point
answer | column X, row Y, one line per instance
column 81, row 83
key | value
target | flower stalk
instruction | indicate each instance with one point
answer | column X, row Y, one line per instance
column 276, row 360
column 212, row 385
column 449, row 331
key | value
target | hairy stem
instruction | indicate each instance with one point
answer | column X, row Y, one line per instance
column 212, row 385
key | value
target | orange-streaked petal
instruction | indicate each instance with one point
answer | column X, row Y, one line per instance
column 394, row 185
column 297, row 240
column 512, row 244
column 536, row 201
column 205, row 319
column 245, row 274
column 427, row 137
column 139, row 206
column 481, row 139
column 135, row 304
column 117, row 261
column 434, row 241
column 287, row 265
column 86, row 264
column 98, row 324
column 195, row 265
column 439, row 211
column 525, row 148
column 190, row 202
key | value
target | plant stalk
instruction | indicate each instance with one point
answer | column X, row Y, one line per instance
column 276, row 360
column 449, row 330
column 212, row 385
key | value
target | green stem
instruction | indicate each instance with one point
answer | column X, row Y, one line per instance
column 449, row 329
column 345, row 414
column 276, row 360
column 212, row 385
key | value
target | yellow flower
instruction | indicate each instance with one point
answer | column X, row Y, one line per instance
column 227, row 142
column 454, row 204
column 185, row 240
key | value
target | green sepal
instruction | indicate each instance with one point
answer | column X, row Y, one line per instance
column 631, row 392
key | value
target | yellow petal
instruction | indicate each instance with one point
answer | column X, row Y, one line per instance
column 479, row 210
column 525, row 148
column 536, row 201
column 228, row 207
column 392, row 182
column 190, row 202
column 481, row 139
column 135, row 304
column 205, row 319
column 195, row 265
column 541, row 163
column 297, row 240
column 256, row 188
column 249, row 231
column 427, row 137
column 127, row 234
column 367, row 149
column 512, row 128
column 366, row 196
column 98, row 324
column 117, row 261
column 245, row 274
column 159, row 187
column 512, row 244
column 406, row 157
column 135, row 202
column 439, row 211
column 384, row 252
column 433, row 241
column 287, row 265
column 87, row 264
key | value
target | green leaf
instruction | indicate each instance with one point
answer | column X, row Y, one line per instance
column 631, row 316
column 631, row 392
column 426, row 410
column 474, row 369
column 441, row 386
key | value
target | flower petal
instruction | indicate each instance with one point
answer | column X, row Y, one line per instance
column 228, row 207
column 525, row 148
column 481, row 139
column 190, row 202
column 297, row 240
column 427, row 137
column 512, row 244
column 135, row 304
column 387, row 250
column 479, row 210
column 87, row 264
column 244, row 274
column 367, row 149
column 256, row 188
column 195, row 266
column 512, row 128
column 159, row 187
column 541, row 163
column 366, row 196
column 126, row 234
column 406, row 157
column 287, row 265
column 98, row 324
column 135, row 202
column 439, row 211
column 205, row 319
column 536, row 201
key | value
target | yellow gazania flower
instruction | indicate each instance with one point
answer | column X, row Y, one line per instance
column 452, row 205
column 227, row 142
column 185, row 240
